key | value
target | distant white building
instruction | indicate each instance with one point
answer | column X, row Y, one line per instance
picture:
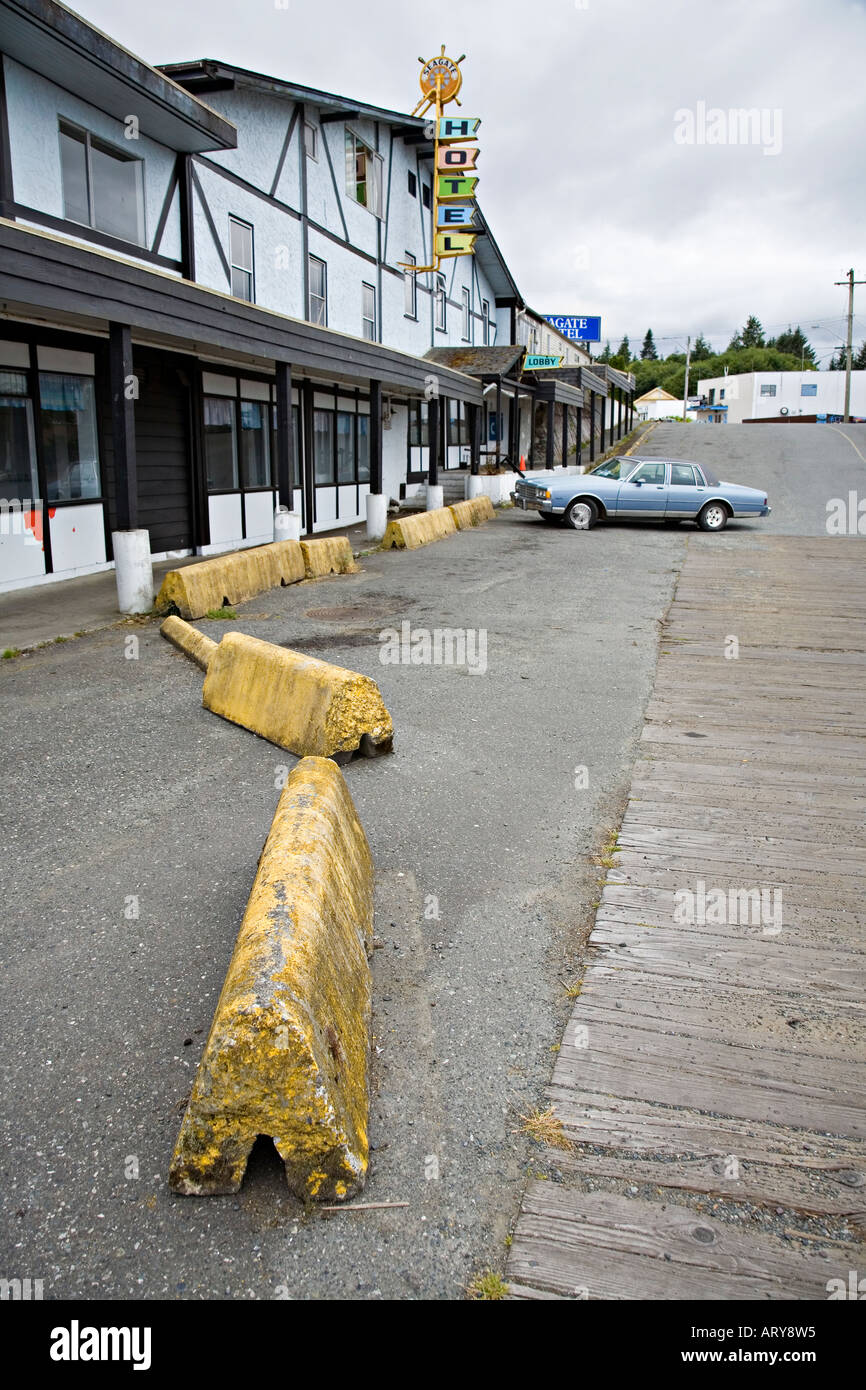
column 779, row 395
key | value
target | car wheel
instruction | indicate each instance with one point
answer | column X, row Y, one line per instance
column 581, row 515
column 548, row 518
column 713, row 517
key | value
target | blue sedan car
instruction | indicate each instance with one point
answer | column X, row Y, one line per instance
column 650, row 489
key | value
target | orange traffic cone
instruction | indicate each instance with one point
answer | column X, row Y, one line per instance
column 523, row 463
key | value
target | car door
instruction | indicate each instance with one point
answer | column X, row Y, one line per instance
column 644, row 492
column 686, row 491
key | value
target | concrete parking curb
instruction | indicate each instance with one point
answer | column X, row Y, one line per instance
column 288, row 1051
column 295, row 701
column 410, row 532
column 229, row 579
column 473, row 512
column 328, row 555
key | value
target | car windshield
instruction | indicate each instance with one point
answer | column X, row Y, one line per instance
column 612, row 469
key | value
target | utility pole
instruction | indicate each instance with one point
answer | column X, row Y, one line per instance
column 850, row 282
column 686, row 385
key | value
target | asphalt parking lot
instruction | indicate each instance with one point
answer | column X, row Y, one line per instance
column 134, row 821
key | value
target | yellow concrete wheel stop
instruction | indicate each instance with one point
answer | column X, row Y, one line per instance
column 230, row 579
column 287, row 1055
column 410, row 532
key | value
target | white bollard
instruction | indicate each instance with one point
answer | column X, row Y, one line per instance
column 435, row 497
column 377, row 515
column 287, row 525
column 474, row 486
column 133, row 569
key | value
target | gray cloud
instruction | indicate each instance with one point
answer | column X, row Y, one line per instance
column 596, row 206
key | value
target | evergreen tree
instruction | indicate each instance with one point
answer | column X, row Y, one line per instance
column 624, row 351
column 701, row 349
column 858, row 361
column 648, row 351
column 753, row 334
column 795, row 342
column 605, row 355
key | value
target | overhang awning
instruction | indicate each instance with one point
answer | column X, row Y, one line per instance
column 65, row 49
column 49, row 278
column 561, row 392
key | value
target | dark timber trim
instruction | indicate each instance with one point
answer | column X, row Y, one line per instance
column 120, row 371
column 327, row 150
column 166, row 208
column 187, row 221
column 375, row 437
column 285, row 435
column 85, row 233
column 7, row 194
column 213, row 231
column 433, row 441
column 285, row 150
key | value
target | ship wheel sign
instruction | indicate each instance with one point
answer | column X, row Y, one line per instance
column 440, row 80
column 454, row 161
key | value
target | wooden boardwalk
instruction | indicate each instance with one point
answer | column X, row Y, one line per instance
column 712, row 1078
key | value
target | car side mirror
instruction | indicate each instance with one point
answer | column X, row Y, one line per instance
column 637, row 482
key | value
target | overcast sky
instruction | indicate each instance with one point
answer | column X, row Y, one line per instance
column 598, row 201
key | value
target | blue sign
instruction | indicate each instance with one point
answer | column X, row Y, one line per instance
column 580, row 330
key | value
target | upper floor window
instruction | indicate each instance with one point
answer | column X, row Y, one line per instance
column 317, row 310
column 426, row 195
column 103, row 187
column 241, row 258
column 410, row 289
column 368, row 311
column 768, row 390
column 311, row 140
column 467, row 315
column 485, row 314
column 413, row 184
column 439, row 307
column 363, row 174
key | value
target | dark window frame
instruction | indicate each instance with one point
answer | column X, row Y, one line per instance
column 243, row 270
column 72, row 130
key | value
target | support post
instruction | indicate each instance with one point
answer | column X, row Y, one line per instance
column 565, row 436
column 435, row 494
column 131, row 546
column 551, row 426
column 377, row 502
column 592, row 427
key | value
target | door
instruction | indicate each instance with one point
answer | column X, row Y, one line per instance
column 644, row 493
column 686, row 491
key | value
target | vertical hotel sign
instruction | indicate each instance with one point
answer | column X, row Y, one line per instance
column 455, row 158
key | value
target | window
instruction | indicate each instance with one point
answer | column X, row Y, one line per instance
column 311, row 140
column 345, row 447
column 103, row 187
column 722, row 394
column 768, row 390
column 18, row 477
column 467, row 316
column 241, row 258
column 682, row 475
column 439, row 306
column 410, row 289
column 809, row 389
column 458, row 423
column 413, row 184
column 69, row 448
column 296, row 457
column 220, row 443
column 255, row 445
column 418, row 432
column 363, row 448
column 363, row 174
column 712, row 399
column 426, row 195
column 318, row 307
column 323, row 446
column 368, row 312
column 651, row 473
column 485, row 313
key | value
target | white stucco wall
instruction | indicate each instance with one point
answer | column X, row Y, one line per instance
column 35, row 107
column 745, row 402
